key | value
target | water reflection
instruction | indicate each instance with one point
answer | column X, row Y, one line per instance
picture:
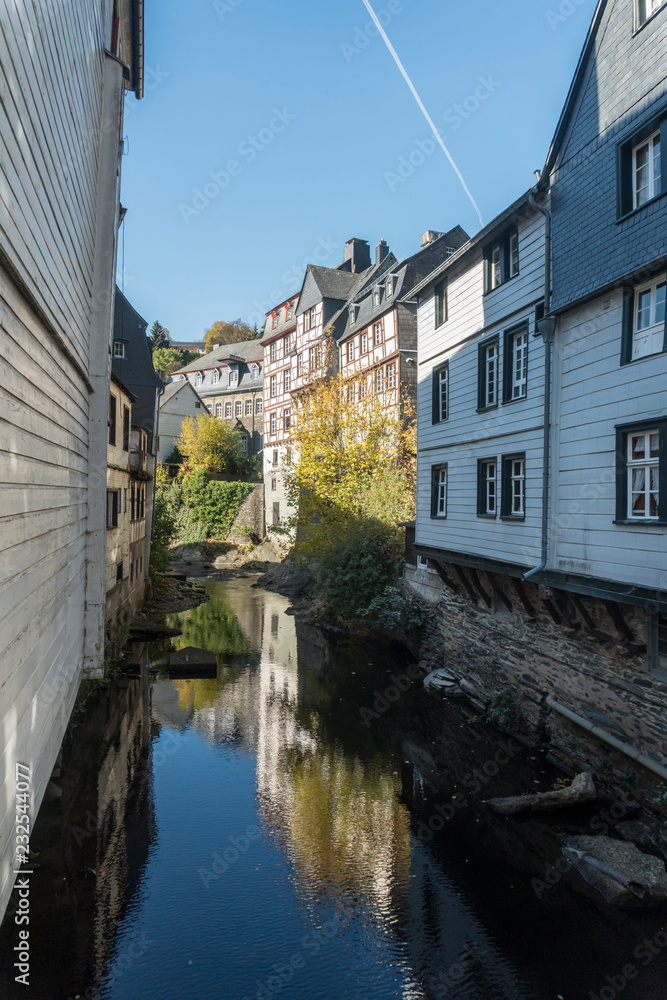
column 253, row 835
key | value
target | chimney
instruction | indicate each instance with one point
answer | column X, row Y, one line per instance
column 381, row 252
column 358, row 253
column 430, row 236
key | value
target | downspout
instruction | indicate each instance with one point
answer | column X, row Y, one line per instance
column 547, row 327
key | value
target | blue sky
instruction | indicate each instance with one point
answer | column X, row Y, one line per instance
column 272, row 132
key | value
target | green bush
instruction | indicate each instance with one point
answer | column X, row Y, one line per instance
column 212, row 504
column 361, row 563
column 505, row 712
column 395, row 608
column 163, row 531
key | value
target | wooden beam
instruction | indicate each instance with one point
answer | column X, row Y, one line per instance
column 466, row 583
column 498, row 591
column 488, row 600
column 563, row 605
column 553, row 610
column 523, row 597
column 589, row 624
column 615, row 613
column 444, row 575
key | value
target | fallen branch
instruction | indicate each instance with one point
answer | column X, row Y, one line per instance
column 581, row 790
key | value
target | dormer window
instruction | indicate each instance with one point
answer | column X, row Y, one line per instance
column 274, row 320
column 290, row 310
column 216, row 376
column 390, row 285
column 118, row 349
column 254, row 371
column 354, row 312
column 199, row 379
column 377, row 296
column 233, row 377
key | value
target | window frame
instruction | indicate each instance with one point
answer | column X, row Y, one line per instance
column 378, row 333
column 436, row 491
column 113, row 508
column 247, row 408
column 199, row 379
column 509, row 361
column 273, row 422
column 654, row 188
column 218, row 411
column 112, row 420
column 287, row 419
column 482, row 488
column 391, row 376
column 639, row 23
column 273, row 351
column 625, row 163
column 629, row 332
column 126, row 428
column 437, row 385
column 119, row 344
column 238, row 409
column 623, row 433
column 501, row 248
column 228, row 410
column 440, row 303
column 259, row 406
column 287, row 380
column 273, row 386
column 482, row 381
column 507, row 512
column 363, row 343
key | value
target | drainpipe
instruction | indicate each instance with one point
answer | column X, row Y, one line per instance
column 625, row 748
column 547, row 327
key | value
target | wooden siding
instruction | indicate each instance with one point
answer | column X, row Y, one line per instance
column 468, row 435
column 594, row 393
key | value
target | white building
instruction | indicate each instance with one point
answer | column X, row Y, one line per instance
column 178, row 401
column 64, row 80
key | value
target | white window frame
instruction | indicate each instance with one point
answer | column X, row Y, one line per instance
column 650, row 339
column 273, row 422
column 350, row 351
column 287, row 380
column 248, row 407
column 517, row 480
column 648, row 8
column 490, row 483
column 377, row 296
column 273, row 351
column 519, row 361
column 647, row 464
column 218, row 411
column 441, row 488
column 199, row 379
column 299, row 365
column 233, row 376
column 287, row 418
column 259, row 405
column 254, row 371
column 228, row 410
column 653, row 185
column 514, row 255
column 363, row 344
column 443, row 393
column 391, row 375
column 118, row 349
column 216, row 376
column 273, row 386
column 490, row 366
column 379, row 381
column 496, row 269
column 378, row 333
column 238, row 408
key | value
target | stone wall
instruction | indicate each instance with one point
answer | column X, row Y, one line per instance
column 250, row 515
column 493, row 648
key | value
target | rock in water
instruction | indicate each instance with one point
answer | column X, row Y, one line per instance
column 582, row 789
column 623, row 874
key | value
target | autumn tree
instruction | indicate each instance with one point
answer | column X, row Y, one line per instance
column 168, row 360
column 212, row 446
column 235, row 332
column 159, row 336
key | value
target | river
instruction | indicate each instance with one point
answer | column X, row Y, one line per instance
column 306, row 824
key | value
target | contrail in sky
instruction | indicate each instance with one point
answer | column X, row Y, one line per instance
column 423, row 109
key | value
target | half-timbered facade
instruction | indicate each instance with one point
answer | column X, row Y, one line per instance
column 63, row 74
column 279, row 343
column 230, row 382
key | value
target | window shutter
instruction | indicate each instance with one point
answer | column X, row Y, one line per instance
column 621, row 477
column 506, row 483
column 507, row 368
column 628, row 322
column 481, row 488
column 436, row 395
column 624, row 179
column 481, row 376
column 434, row 490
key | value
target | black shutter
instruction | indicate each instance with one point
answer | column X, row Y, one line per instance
column 663, row 148
column 539, row 314
column 624, row 179
column 481, row 376
column 662, row 473
column 435, row 474
column 436, row 395
column 481, row 489
column 628, row 323
column 506, row 483
column 507, row 368
column 621, row 477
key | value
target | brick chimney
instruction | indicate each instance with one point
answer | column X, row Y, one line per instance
column 430, row 236
column 358, row 253
column 381, row 251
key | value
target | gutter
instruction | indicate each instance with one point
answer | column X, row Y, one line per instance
column 547, row 327
column 138, row 48
column 612, row 741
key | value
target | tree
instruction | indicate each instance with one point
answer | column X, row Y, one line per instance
column 229, row 333
column 159, row 337
column 211, row 445
column 168, row 360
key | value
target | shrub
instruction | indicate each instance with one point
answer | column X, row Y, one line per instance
column 213, row 505
column 358, row 565
column 395, row 608
column 164, row 529
column 505, row 711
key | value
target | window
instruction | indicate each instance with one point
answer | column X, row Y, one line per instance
column 439, row 491
column 119, row 572
column 377, row 296
column 112, row 419
column 641, row 473
column 287, row 343
column 238, row 408
column 274, row 320
column 514, row 487
column 275, row 459
column 391, row 376
column 125, row 492
column 311, row 358
column 274, row 385
column 640, row 174
column 379, row 380
column 276, row 515
column 656, row 641
column 501, row 260
column 441, row 393
column 378, row 333
column 364, row 343
column 646, row 9
column 644, row 320
column 132, row 502
column 199, row 379
column 254, row 372
column 248, row 407
column 274, row 485
column 287, row 419
column 350, row 351
column 516, row 364
column 216, row 376
column 441, row 303
column 233, row 377
column 142, row 509
column 299, row 365
column 309, row 319
column 244, row 444
column 487, row 488
column 488, row 374
column 354, row 312
column 288, row 380
column 113, row 498
column 290, row 310
column 273, row 351
column 118, row 349
column 363, row 388
column 272, row 423
column 197, row 406
column 218, row 410
column 390, row 286
column 209, row 407
column 259, row 405
column 288, row 456
column 228, row 410
column 126, row 428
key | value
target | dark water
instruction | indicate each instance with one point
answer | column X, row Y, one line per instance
column 279, row 831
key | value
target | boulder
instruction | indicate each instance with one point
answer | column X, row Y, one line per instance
column 621, row 873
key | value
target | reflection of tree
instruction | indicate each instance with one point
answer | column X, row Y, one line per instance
column 211, row 626
column 346, row 826
column 196, row 694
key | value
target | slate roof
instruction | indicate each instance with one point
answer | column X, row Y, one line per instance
column 248, row 351
column 135, row 370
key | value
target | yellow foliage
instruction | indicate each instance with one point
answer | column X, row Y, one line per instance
column 211, row 445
